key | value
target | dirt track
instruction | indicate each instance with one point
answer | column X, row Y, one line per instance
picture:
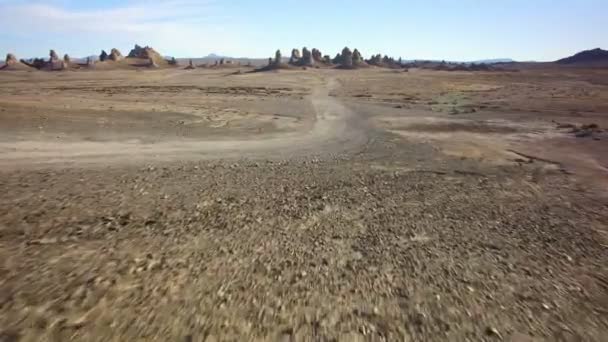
column 380, row 217
column 336, row 130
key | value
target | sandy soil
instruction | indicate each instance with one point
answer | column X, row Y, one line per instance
column 208, row 205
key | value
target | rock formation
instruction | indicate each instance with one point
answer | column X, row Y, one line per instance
column 53, row 56
column 10, row 59
column 115, row 55
column 136, row 52
column 103, row 56
column 190, row 65
column 145, row 53
column 37, row 63
column 152, row 63
column 357, row 58
column 277, row 58
column 337, row 59
column 327, row 59
column 317, row 56
column 307, row 58
column 11, row 63
column 269, row 60
column 295, row 57
column 66, row 59
column 347, row 58
column 384, row 62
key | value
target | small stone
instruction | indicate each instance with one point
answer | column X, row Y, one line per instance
column 491, row 331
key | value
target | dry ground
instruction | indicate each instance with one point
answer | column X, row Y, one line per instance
column 205, row 205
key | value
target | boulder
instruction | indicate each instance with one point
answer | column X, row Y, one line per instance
column 103, row 56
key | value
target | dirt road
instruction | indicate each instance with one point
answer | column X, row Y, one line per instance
column 345, row 226
column 336, row 130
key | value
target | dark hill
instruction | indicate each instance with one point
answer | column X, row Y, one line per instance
column 590, row 56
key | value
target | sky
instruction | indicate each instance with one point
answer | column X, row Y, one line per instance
column 464, row 30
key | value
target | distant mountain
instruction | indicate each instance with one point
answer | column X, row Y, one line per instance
column 214, row 55
column 595, row 56
column 493, row 61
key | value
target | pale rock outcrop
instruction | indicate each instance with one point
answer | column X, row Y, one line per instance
column 53, row 56
column 317, row 56
column 357, row 58
column 347, row 58
column 307, row 57
column 115, row 55
column 295, row 57
column 10, row 59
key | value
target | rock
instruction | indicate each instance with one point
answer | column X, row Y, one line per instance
column 66, row 59
column 172, row 61
column 317, row 56
column 152, row 63
column 327, row 59
column 190, row 65
column 491, row 331
column 145, row 53
column 277, row 57
column 103, row 56
column 136, row 52
column 347, row 58
column 337, row 59
column 37, row 63
column 53, row 56
column 10, row 59
column 375, row 60
column 357, row 58
column 115, row 55
column 307, row 57
column 295, row 57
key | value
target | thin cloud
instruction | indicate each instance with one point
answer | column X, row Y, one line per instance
column 174, row 27
column 132, row 18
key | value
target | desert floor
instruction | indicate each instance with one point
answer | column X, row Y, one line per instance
column 364, row 205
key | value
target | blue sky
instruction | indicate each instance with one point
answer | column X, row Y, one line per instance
column 432, row 29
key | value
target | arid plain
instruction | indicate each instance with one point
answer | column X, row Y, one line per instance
column 304, row 204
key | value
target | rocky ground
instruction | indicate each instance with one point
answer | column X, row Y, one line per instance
column 389, row 239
